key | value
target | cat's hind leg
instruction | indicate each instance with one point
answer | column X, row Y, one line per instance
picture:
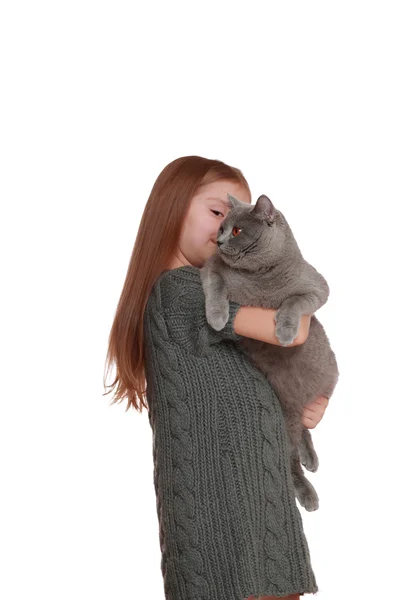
column 304, row 490
column 308, row 456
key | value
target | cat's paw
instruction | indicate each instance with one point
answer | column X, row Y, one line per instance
column 308, row 459
column 307, row 496
column 287, row 326
column 311, row 503
column 217, row 319
column 286, row 332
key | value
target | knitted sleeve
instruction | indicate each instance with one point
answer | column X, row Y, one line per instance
column 183, row 303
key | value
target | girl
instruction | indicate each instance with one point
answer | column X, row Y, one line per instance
column 229, row 526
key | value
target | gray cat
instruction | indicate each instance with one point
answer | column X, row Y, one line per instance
column 258, row 263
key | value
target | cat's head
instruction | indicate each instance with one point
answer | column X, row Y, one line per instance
column 253, row 236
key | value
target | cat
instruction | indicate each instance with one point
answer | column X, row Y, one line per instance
column 258, row 263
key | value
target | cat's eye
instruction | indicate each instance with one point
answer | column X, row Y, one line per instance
column 217, row 211
column 236, row 231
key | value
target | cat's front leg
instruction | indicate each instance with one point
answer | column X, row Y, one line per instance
column 216, row 298
column 288, row 316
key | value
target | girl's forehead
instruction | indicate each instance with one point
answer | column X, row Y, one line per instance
column 221, row 198
column 217, row 193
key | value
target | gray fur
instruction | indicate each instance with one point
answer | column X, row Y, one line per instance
column 263, row 266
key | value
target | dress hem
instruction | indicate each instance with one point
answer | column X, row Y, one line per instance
column 280, row 595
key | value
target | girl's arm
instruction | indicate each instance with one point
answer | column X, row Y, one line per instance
column 258, row 323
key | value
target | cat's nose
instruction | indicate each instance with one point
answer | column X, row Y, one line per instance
column 219, row 243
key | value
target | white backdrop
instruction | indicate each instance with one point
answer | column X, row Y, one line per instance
column 96, row 98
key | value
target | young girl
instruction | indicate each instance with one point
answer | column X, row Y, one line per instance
column 229, row 525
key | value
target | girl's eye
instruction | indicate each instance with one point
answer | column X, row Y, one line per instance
column 217, row 211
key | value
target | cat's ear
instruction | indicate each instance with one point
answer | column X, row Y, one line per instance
column 264, row 209
column 232, row 202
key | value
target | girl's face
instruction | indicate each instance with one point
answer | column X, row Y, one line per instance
column 207, row 210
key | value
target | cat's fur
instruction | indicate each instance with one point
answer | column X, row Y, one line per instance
column 262, row 266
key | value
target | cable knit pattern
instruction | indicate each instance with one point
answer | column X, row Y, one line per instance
column 229, row 523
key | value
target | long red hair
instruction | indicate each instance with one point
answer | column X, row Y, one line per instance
column 155, row 243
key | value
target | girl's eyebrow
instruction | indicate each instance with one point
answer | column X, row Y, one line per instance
column 219, row 200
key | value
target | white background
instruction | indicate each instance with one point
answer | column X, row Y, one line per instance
column 96, row 98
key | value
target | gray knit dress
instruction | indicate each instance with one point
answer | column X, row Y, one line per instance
column 229, row 525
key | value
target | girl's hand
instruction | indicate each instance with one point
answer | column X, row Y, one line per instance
column 314, row 412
